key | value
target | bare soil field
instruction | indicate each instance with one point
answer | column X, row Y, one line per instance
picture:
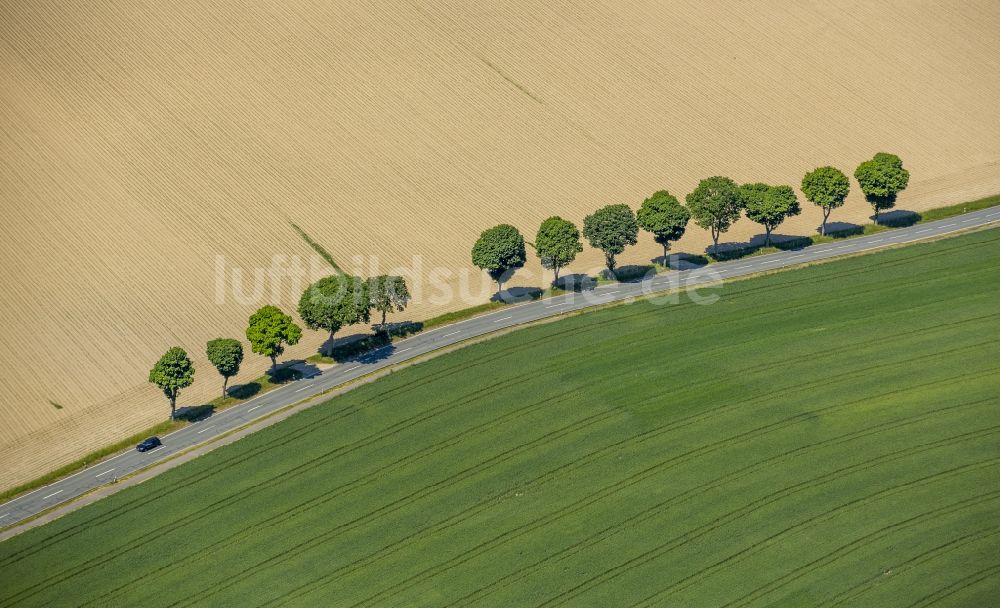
column 148, row 149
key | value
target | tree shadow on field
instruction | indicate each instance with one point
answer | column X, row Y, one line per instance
column 513, row 295
column 681, row 261
column 331, row 345
column 632, row 273
column 575, row 282
column 841, row 230
column 194, row 413
column 898, row 218
column 784, row 242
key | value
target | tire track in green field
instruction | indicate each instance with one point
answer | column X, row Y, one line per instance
column 692, row 420
column 860, row 543
column 709, row 448
column 405, row 501
column 166, row 528
column 754, row 548
column 652, row 554
column 929, row 555
column 724, row 520
column 588, row 500
column 959, row 585
column 691, row 493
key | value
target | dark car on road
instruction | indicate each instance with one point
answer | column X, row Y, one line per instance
column 148, row 444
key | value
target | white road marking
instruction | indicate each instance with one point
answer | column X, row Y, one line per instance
column 52, row 494
column 503, row 319
column 199, row 432
column 452, row 333
column 403, row 350
column 876, row 240
column 303, row 388
column 4, row 515
column 557, row 304
column 741, row 267
column 254, row 407
column 104, row 473
column 154, row 449
column 351, row 369
column 923, row 231
column 948, row 225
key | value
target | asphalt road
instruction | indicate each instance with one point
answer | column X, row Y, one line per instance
column 129, row 461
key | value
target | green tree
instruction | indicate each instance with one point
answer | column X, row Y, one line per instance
column 826, row 187
column 499, row 251
column 881, row 179
column 557, row 243
column 171, row 373
column 335, row 301
column 611, row 229
column 388, row 294
column 715, row 205
column 226, row 354
column 269, row 330
column 664, row 216
column 769, row 205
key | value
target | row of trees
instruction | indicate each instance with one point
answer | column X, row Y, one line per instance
column 715, row 205
column 327, row 305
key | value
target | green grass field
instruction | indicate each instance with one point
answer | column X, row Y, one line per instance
column 828, row 436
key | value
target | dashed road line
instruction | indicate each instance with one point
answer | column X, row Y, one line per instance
column 52, row 494
column 299, row 390
column 503, row 319
column 207, row 428
column 454, row 333
column 255, row 407
column 104, row 473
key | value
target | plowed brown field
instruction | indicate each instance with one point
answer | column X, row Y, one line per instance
column 143, row 144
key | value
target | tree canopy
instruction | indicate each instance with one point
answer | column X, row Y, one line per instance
column 171, row 373
column 499, row 251
column 557, row 243
column 826, row 187
column 611, row 229
column 226, row 354
column 663, row 216
column 388, row 294
column 335, row 301
column 269, row 330
column 769, row 205
column 715, row 205
column 881, row 179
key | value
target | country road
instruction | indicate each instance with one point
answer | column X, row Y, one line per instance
column 130, row 461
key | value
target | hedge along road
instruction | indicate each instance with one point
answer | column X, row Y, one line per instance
column 128, row 462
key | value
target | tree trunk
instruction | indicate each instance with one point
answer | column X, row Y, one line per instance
column 767, row 236
column 225, row 381
column 555, row 269
column 715, row 240
column 826, row 215
column 666, row 246
column 610, row 260
column 383, row 319
column 499, row 288
column 876, row 214
column 274, row 362
column 173, row 406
